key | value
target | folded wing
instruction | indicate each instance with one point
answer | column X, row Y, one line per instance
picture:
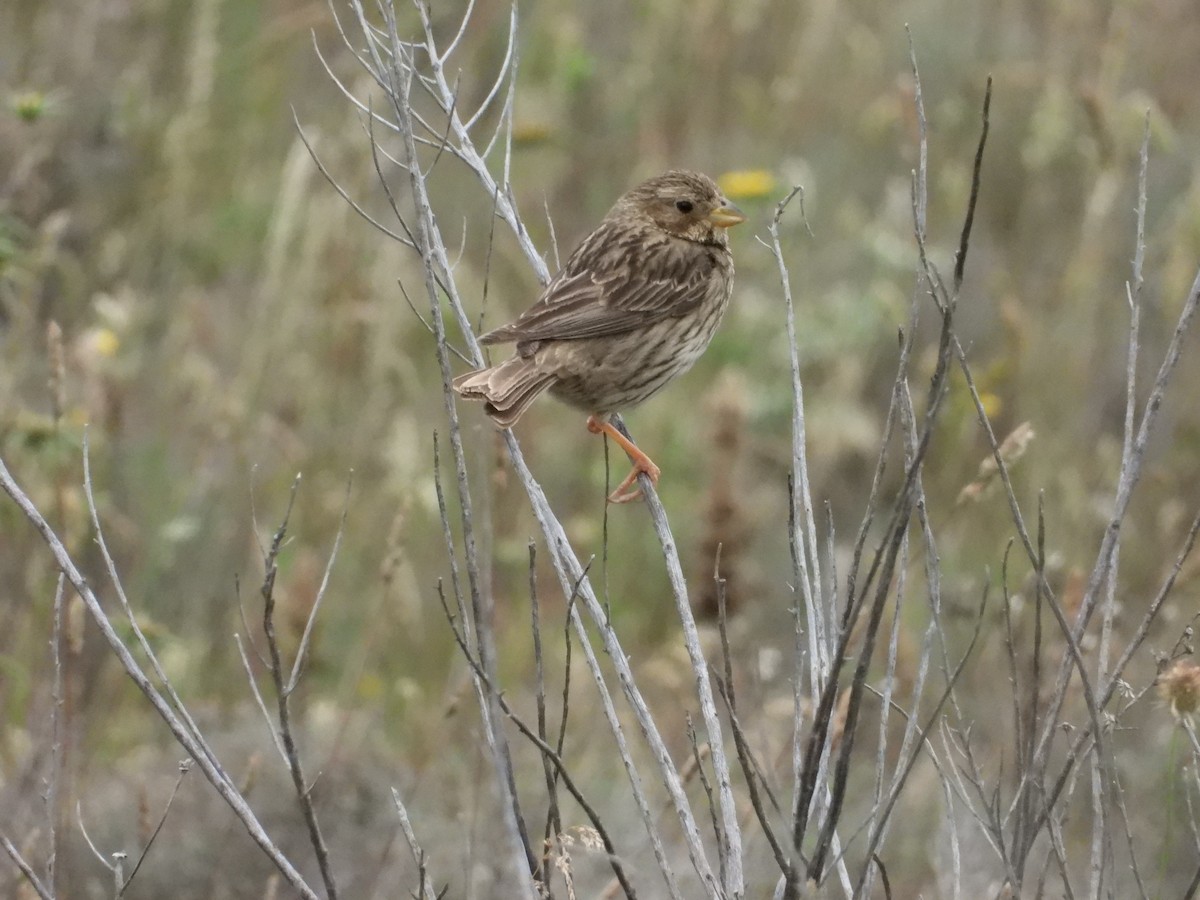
column 599, row 294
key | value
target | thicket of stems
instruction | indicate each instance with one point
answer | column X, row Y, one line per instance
column 857, row 731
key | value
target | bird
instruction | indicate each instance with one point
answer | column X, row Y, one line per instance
column 635, row 305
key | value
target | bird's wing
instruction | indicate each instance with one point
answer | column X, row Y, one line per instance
column 613, row 291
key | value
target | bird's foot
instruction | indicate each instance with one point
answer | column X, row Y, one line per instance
column 641, row 462
column 623, row 494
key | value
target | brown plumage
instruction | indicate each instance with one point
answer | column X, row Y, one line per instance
column 634, row 306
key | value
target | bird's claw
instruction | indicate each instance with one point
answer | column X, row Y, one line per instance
column 628, row 497
column 623, row 494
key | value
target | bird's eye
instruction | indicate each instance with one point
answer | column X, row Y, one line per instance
column 684, row 206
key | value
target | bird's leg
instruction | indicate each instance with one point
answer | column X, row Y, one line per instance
column 641, row 462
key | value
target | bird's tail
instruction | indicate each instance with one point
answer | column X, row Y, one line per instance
column 507, row 389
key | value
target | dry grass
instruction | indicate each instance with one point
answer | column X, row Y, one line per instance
column 225, row 320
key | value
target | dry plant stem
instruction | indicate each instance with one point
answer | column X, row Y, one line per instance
column 1133, row 295
column 1060, row 858
column 1023, row 796
column 898, row 391
column 820, row 638
column 428, row 327
column 400, row 81
column 66, row 754
column 906, row 339
column 955, row 843
column 184, row 768
column 258, row 698
column 548, row 754
column 573, row 580
column 982, row 800
column 1025, row 726
column 889, row 680
column 363, row 214
column 734, row 881
column 705, row 785
column 410, row 837
column 1190, row 730
column 432, row 251
column 56, row 759
column 31, row 876
column 1076, row 654
column 566, row 690
column 1074, row 658
column 884, row 562
column 885, row 809
column 1099, row 832
column 800, row 496
column 1119, row 793
column 1084, row 737
column 744, row 754
column 830, row 588
column 883, row 565
column 504, row 769
column 116, row 867
column 967, row 787
column 553, row 819
column 908, row 418
column 857, row 593
column 373, row 36
column 1193, row 887
column 817, row 653
column 569, row 569
column 119, row 587
column 1129, row 476
column 306, row 638
column 897, row 529
column 448, row 536
column 461, row 143
column 1128, row 479
column 1151, row 614
column 887, row 885
column 183, row 731
column 1191, row 807
column 282, row 693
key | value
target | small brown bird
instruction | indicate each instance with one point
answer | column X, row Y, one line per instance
column 635, row 305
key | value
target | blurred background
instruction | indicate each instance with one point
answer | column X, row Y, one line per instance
column 227, row 320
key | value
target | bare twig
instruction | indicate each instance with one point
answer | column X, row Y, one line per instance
column 306, row 638
column 553, row 818
column 410, row 837
column 548, row 753
column 56, row 736
column 734, row 881
column 433, row 257
column 182, row 731
column 31, row 876
column 184, row 768
column 119, row 587
column 291, row 752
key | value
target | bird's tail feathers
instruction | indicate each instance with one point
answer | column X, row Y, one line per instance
column 507, row 389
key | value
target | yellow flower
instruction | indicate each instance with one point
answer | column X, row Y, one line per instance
column 992, row 403
column 748, row 184
column 106, row 342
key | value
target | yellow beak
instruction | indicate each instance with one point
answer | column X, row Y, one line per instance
column 726, row 215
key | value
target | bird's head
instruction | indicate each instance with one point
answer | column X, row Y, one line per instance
column 687, row 205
